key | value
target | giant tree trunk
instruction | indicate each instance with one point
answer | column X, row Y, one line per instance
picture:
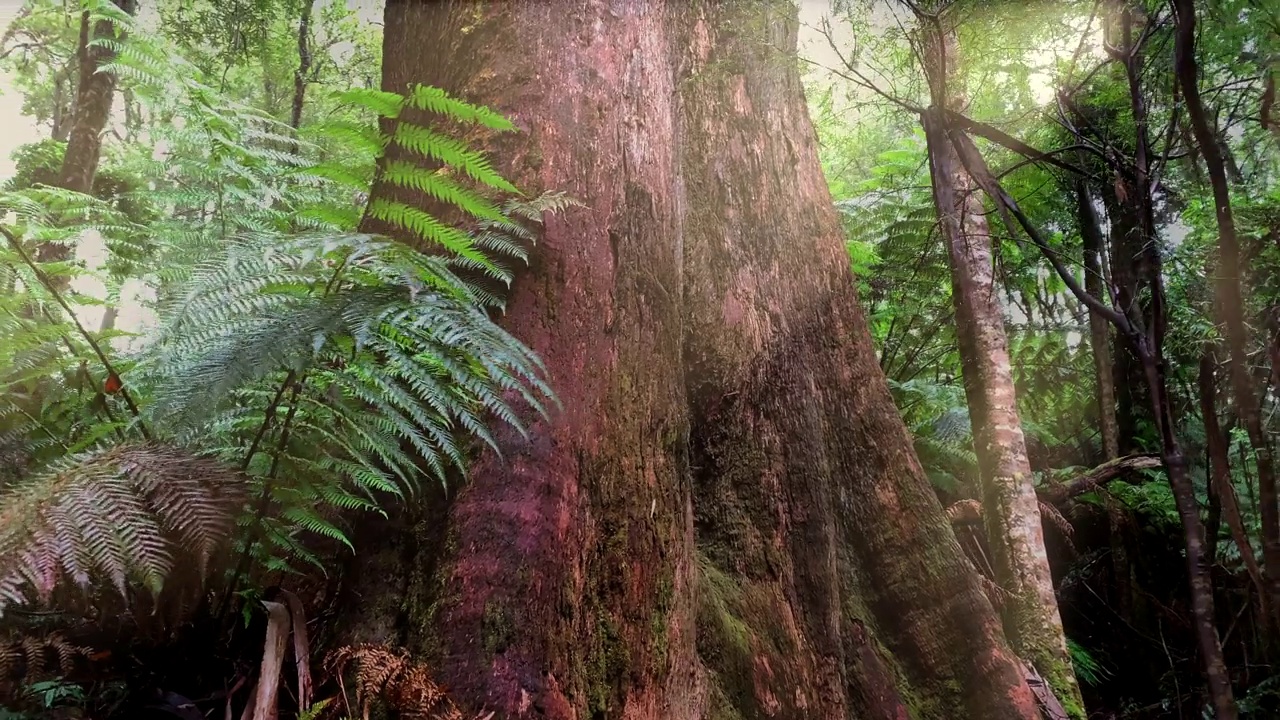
column 726, row 520
column 798, row 446
column 1230, row 300
column 1011, row 508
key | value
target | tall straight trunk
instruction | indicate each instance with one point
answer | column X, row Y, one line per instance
column 727, row 519
column 1230, row 301
column 1099, row 330
column 94, row 93
column 1011, row 509
column 1147, row 345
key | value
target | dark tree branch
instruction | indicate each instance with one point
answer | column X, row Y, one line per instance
column 51, row 287
column 1114, row 469
column 1000, row 137
column 977, row 167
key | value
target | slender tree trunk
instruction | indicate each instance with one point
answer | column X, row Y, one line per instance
column 1220, row 477
column 1011, row 509
column 727, row 519
column 1212, row 518
column 60, row 115
column 304, row 65
column 1230, row 301
column 1124, row 251
column 1176, row 466
column 1147, row 344
column 109, row 317
column 94, row 94
column 1099, row 330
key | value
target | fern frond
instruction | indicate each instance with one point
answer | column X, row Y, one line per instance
column 383, row 103
column 120, row 514
column 29, row 658
column 392, row 678
column 439, row 186
column 425, row 226
column 455, row 153
column 433, row 99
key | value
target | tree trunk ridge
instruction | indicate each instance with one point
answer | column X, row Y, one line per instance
column 727, row 520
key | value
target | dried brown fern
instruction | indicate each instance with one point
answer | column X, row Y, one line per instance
column 1060, row 521
column 391, row 676
column 29, row 658
column 964, row 511
column 125, row 513
column 970, row 512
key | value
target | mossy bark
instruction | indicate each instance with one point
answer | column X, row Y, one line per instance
column 726, row 520
column 806, row 488
column 1011, row 509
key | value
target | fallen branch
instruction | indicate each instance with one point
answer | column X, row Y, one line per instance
column 1111, row 470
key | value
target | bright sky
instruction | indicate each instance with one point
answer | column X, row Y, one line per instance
column 815, row 47
column 15, row 129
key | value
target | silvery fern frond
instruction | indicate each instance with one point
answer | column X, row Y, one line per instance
column 122, row 514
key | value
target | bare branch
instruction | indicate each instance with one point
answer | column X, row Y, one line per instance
column 977, row 168
column 1000, row 137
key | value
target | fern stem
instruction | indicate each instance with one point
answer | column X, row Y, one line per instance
column 52, row 436
column 106, row 407
column 284, row 431
column 88, row 338
column 270, row 413
column 264, row 500
column 268, row 416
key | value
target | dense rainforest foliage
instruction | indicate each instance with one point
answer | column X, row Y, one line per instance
column 705, row 359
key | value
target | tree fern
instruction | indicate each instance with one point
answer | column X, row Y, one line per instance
column 323, row 369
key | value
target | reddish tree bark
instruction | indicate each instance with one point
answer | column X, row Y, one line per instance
column 727, row 519
column 799, row 446
column 566, row 587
